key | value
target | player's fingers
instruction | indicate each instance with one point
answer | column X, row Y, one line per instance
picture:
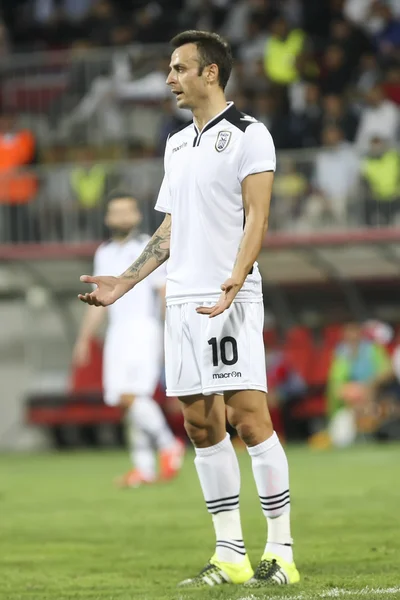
column 217, row 311
column 226, row 287
column 220, row 308
column 204, row 310
column 88, row 279
column 84, row 298
column 89, row 299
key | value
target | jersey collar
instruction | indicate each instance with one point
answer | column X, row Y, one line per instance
column 219, row 117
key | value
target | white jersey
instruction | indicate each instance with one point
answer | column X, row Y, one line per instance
column 113, row 258
column 202, row 191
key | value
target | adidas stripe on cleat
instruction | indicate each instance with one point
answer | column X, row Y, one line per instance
column 219, row 573
column 273, row 570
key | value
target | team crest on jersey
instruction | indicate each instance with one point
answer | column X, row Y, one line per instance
column 223, row 140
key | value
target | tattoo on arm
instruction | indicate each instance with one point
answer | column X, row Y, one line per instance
column 157, row 249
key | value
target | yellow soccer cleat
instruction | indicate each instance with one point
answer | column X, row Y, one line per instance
column 273, row 570
column 218, row 573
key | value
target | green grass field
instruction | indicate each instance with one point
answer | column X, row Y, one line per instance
column 67, row 533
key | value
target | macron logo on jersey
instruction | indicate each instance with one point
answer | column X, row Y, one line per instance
column 179, row 147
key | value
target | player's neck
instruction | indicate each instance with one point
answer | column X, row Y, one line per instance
column 210, row 109
column 123, row 238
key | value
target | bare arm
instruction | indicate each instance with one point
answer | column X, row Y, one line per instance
column 154, row 255
column 91, row 322
column 109, row 289
column 256, row 192
column 161, row 294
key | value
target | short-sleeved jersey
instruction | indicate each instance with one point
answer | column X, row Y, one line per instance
column 201, row 189
column 113, row 258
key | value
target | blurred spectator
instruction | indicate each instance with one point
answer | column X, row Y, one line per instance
column 150, row 26
column 335, row 72
column 89, row 186
column 283, row 51
column 18, row 188
column 235, row 26
column 391, row 84
column 74, row 10
column 388, row 392
column 100, row 22
column 362, row 12
column 353, row 41
column 336, row 174
column 386, row 30
column 367, row 74
column 290, row 188
column 206, row 15
column 306, row 123
column 267, row 109
column 379, row 118
column 243, row 103
column 106, row 93
column 170, row 123
column 250, row 79
column 356, row 366
column 381, row 176
column 286, row 387
column 5, row 46
column 335, row 112
column 253, row 47
column 357, row 11
column 316, row 16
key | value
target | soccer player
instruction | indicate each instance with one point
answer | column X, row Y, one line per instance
column 215, row 195
column 133, row 347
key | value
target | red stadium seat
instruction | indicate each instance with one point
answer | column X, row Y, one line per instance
column 298, row 349
column 298, row 337
column 320, row 365
column 271, row 337
column 332, row 334
column 300, row 359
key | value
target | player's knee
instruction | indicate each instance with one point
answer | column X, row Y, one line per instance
column 251, row 428
column 197, row 433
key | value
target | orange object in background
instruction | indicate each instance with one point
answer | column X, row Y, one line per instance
column 16, row 150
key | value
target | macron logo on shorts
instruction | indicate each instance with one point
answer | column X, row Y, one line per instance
column 227, row 375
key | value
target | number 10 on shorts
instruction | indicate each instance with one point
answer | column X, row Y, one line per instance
column 227, row 347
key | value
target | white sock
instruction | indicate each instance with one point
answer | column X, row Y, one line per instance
column 148, row 416
column 219, row 475
column 142, row 453
column 271, row 474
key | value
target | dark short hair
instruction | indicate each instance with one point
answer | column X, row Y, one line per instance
column 212, row 49
column 119, row 194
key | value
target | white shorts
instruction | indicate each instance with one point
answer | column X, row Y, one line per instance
column 206, row 356
column 131, row 360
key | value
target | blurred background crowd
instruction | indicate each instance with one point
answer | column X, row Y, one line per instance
column 83, row 82
column 84, row 109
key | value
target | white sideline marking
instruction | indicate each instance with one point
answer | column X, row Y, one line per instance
column 334, row 593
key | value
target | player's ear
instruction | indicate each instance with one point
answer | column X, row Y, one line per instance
column 212, row 73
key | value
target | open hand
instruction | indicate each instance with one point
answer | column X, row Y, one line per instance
column 109, row 289
column 229, row 290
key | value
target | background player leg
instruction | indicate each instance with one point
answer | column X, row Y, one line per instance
column 146, row 415
column 247, row 411
column 141, row 449
column 219, row 475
